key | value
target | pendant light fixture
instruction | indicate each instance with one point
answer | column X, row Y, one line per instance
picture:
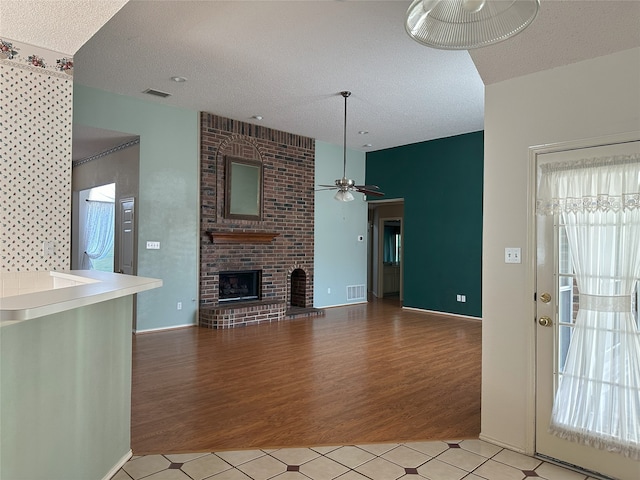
column 467, row 24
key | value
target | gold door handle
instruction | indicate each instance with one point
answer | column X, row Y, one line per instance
column 545, row 321
column 545, row 297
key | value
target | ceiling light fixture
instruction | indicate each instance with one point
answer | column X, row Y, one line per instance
column 179, row 79
column 466, row 24
column 343, row 196
column 257, row 117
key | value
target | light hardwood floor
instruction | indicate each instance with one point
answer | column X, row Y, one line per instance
column 360, row 374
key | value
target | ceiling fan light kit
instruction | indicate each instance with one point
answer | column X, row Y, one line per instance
column 344, row 196
column 344, row 185
column 467, row 24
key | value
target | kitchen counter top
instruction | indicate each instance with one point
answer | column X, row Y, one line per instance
column 86, row 287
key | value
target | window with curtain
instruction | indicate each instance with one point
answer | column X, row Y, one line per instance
column 597, row 200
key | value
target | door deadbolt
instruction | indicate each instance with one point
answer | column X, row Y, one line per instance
column 545, row 297
column 545, row 321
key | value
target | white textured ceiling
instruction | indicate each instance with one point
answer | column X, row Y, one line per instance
column 565, row 32
column 59, row 25
column 288, row 60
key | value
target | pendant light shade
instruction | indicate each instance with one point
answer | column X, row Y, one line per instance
column 466, row 24
column 344, row 196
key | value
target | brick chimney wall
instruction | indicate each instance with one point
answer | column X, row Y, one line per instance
column 287, row 210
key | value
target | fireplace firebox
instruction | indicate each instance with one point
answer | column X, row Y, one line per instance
column 240, row 286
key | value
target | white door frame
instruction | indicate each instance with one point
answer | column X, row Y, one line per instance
column 534, row 152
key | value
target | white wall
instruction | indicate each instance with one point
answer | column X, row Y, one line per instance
column 588, row 99
column 339, row 258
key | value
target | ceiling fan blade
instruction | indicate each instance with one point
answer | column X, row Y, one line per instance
column 368, row 187
column 327, row 188
column 330, row 186
column 370, row 192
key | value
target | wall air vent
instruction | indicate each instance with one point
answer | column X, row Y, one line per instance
column 356, row 292
column 157, row 93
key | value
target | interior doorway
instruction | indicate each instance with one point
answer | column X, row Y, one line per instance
column 391, row 246
column 385, row 245
column 104, row 157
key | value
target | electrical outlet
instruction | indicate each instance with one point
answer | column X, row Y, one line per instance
column 153, row 245
column 47, row 249
column 463, row 298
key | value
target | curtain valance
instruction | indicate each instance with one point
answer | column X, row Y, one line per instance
column 589, row 185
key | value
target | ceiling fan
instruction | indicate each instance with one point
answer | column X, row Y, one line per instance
column 344, row 185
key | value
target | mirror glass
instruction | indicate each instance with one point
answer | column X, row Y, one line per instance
column 243, row 192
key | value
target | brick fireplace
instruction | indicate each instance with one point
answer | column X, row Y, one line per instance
column 279, row 244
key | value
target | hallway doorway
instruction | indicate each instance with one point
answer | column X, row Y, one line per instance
column 385, row 249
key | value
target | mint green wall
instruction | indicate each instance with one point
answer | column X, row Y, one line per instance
column 168, row 203
column 65, row 391
column 339, row 259
column 441, row 184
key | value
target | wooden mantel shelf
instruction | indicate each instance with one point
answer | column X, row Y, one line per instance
column 242, row 237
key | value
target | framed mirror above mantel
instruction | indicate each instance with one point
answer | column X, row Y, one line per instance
column 243, row 189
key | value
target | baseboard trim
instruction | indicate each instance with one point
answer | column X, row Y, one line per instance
column 111, row 473
column 162, row 329
column 344, row 304
column 492, row 440
column 444, row 314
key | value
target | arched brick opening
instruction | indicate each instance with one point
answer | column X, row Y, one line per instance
column 298, row 288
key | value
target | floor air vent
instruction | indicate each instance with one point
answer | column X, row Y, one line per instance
column 356, row 292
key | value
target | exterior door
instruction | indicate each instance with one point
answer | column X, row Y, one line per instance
column 556, row 306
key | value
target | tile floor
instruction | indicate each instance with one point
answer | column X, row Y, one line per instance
column 453, row 460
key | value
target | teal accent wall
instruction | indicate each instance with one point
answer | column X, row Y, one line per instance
column 168, row 205
column 441, row 182
column 340, row 259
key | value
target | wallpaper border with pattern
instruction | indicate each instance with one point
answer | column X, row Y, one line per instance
column 36, row 115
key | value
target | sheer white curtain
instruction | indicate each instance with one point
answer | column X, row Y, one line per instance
column 99, row 232
column 598, row 397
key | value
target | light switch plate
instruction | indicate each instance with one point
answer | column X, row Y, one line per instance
column 153, row 245
column 512, row 255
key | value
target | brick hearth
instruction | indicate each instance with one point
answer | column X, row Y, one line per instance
column 281, row 244
column 242, row 314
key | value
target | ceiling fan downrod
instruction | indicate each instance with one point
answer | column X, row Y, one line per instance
column 346, row 94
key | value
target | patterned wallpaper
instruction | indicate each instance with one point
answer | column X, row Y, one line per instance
column 35, row 157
